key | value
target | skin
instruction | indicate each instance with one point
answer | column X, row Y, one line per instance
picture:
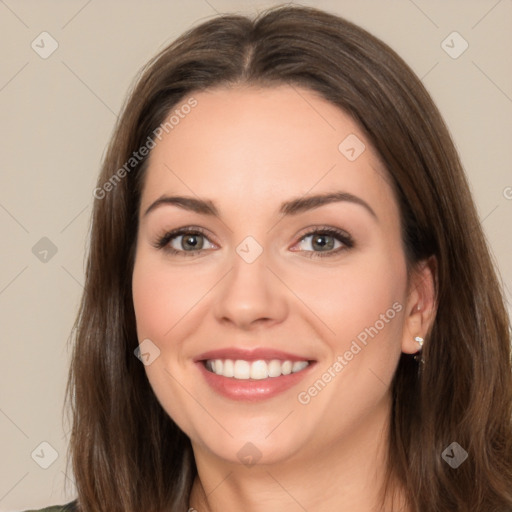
column 248, row 150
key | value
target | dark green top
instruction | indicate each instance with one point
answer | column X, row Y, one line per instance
column 49, row 509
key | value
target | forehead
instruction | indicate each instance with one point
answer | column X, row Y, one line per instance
column 259, row 145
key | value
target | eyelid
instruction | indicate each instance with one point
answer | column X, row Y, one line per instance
column 310, row 230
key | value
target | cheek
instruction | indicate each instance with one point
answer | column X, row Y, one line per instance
column 361, row 303
column 363, row 306
column 162, row 295
column 354, row 296
column 151, row 300
column 160, row 302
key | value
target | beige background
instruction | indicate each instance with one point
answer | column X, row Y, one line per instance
column 57, row 115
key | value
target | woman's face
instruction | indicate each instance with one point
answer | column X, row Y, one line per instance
column 288, row 259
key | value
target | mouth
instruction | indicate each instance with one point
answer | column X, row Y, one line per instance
column 252, row 374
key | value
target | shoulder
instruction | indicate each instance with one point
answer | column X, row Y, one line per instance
column 69, row 507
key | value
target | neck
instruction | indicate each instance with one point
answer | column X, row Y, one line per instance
column 346, row 476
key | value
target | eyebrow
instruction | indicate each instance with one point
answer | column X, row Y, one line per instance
column 291, row 207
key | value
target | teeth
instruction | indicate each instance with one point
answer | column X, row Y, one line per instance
column 274, row 368
column 286, row 368
column 242, row 370
column 299, row 365
column 217, row 366
column 257, row 370
column 229, row 368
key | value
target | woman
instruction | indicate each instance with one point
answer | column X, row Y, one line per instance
column 289, row 302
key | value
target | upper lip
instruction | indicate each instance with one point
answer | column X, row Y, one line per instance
column 250, row 354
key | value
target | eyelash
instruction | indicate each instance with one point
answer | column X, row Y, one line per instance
column 342, row 236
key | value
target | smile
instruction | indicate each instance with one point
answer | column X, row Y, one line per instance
column 252, row 375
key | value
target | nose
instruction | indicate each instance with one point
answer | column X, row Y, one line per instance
column 250, row 296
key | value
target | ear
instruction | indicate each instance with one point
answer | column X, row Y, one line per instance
column 420, row 310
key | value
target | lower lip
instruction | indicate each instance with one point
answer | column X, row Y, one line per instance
column 249, row 389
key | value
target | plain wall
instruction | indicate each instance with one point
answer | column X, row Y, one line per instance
column 57, row 115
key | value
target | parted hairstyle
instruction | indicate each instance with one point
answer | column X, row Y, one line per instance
column 127, row 454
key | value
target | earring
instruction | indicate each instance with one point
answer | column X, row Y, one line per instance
column 418, row 358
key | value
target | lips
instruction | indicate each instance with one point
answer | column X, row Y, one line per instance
column 242, row 374
column 250, row 355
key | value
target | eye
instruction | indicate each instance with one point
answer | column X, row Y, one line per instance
column 320, row 242
column 184, row 241
column 325, row 242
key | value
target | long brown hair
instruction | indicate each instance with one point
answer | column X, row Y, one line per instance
column 127, row 454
